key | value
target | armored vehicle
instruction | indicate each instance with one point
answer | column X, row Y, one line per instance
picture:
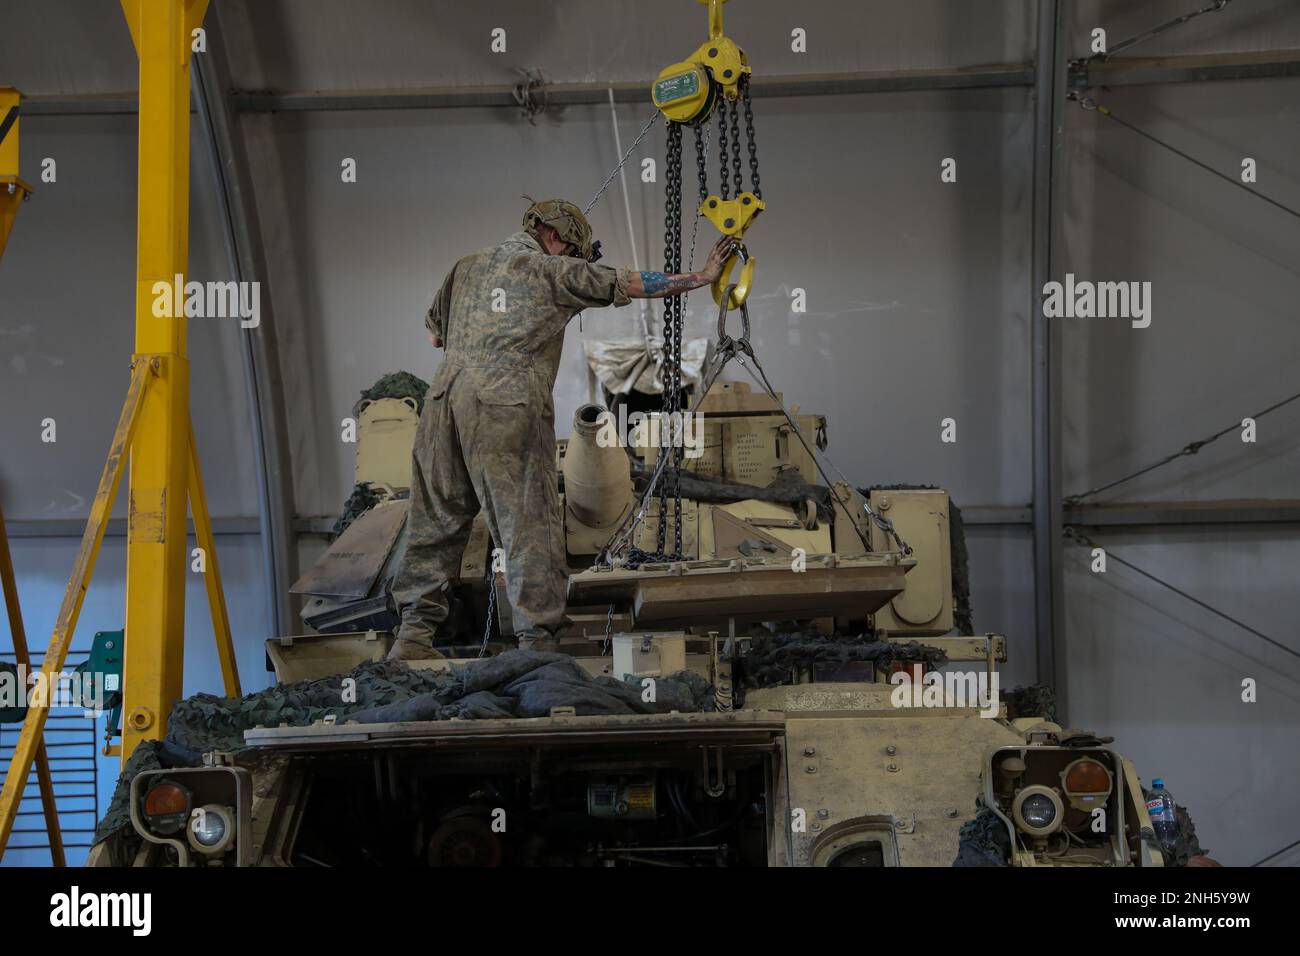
column 784, row 689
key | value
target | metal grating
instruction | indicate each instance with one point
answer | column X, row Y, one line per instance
column 72, row 741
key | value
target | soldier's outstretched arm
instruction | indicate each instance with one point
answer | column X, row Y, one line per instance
column 658, row 285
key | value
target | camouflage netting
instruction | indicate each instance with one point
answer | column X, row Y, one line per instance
column 359, row 502
column 1032, row 701
column 148, row 755
column 983, row 841
column 962, row 616
column 395, row 385
column 773, row 658
column 514, row 684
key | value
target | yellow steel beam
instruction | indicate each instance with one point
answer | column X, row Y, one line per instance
column 10, row 100
column 156, row 533
column 30, row 738
column 12, row 189
column 12, row 192
column 44, row 781
column 212, row 574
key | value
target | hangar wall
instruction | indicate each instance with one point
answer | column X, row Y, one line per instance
column 1147, row 665
column 904, row 275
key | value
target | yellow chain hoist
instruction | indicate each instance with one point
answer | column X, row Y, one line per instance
column 716, row 76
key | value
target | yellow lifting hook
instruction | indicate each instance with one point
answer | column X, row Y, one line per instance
column 732, row 217
column 687, row 93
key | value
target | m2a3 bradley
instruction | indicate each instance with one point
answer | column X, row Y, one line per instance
column 739, row 685
column 783, row 692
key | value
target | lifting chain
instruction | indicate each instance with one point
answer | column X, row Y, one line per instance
column 735, row 147
column 491, row 580
column 722, row 151
column 701, row 145
column 701, row 171
column 729, row 147
column 674, row 315
column 730, row 180
column 609, row 631
column 749, row 135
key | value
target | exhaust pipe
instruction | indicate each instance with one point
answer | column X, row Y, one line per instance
column 597, row 481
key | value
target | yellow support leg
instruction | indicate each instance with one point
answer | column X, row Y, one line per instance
column 12, row 189
column 30, row 738
column 12, row 193
column 154, row 427
column 156, row 563
column 212, row 575
column 44, row 781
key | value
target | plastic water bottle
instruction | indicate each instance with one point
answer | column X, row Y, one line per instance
column 1164, row 816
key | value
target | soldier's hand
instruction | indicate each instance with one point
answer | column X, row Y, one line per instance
column 722, row 250
column 436, row 340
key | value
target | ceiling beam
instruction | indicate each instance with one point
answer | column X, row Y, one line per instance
column 1135, row 71
column 1121, row 71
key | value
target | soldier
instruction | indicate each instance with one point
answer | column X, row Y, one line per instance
column 486, row 439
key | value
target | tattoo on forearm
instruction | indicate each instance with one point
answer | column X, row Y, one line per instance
column 653, row 282
column 658, row 283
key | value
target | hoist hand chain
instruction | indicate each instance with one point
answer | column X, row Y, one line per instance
column 491, row 581
column 749, row 133
column 722, row 149
column 701, row 132
column 609, row 630
column 674, row 316
column 735, row 148
column 701, row 172
column 676, row 402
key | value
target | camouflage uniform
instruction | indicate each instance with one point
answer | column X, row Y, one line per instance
column 486, row 439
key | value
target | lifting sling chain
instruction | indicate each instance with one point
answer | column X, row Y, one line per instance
column 714, row 77
column 727, row 349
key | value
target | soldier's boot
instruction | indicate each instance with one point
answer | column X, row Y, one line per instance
column 409, row 650
column 538, row 641
column 414, row 644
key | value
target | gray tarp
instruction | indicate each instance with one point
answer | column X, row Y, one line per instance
column 624, row 366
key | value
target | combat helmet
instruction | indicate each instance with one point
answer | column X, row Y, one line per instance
column 568, row 221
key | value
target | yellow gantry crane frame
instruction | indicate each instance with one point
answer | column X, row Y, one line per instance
column 154, row 428
column 12, row 189
column 12, row 193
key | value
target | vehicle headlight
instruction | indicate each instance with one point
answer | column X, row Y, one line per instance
column 1037, row 811
column 167, row 807
column 211, row 829
column 1086, row 783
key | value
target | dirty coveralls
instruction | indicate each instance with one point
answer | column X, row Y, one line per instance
column 486, row 439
